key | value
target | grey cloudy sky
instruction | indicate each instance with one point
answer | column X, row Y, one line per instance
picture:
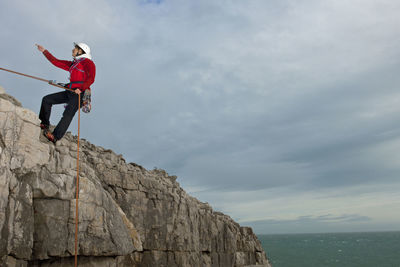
column 283, row 114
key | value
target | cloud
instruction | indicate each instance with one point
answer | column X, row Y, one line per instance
column 309, row 219
column 230, row 96
column 309, row 210
column 151, row 2
column 309, row 223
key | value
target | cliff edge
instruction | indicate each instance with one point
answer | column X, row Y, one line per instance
column 128, row 216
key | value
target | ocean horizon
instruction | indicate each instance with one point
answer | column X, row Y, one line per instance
column 346, row 249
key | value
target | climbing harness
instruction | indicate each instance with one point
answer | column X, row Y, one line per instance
column 86, row 99
column 60, row 85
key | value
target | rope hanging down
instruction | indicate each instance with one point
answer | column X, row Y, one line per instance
column 77, row 184
column 77, row 157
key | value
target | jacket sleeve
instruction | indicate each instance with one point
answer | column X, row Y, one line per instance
column 90, row 70
column 63, row 64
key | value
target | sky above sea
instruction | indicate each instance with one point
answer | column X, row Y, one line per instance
column 284, row 115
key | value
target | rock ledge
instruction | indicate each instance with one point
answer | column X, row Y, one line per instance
column 129, row 216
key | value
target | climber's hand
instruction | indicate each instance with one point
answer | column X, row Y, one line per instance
column 40, row 48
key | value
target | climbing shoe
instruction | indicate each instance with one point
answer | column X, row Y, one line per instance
column 44, row 126
column 49, row 136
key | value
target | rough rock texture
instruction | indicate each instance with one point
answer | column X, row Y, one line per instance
column 129, row 216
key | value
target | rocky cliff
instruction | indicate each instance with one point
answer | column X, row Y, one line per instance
column 129, row 216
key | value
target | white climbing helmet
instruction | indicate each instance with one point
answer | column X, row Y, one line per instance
column 84, row 47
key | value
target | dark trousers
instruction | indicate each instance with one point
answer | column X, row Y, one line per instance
column 68, row 97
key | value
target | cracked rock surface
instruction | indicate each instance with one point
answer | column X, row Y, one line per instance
column 128, row 216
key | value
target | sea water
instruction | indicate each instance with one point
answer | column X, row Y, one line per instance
column 381, row 249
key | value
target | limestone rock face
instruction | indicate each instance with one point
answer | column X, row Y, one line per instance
column 128, row 216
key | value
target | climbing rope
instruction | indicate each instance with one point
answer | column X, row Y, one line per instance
column 77, row 184
column 37, row 78
column 77, row 157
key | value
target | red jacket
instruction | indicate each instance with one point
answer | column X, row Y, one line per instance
column 82, row 71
